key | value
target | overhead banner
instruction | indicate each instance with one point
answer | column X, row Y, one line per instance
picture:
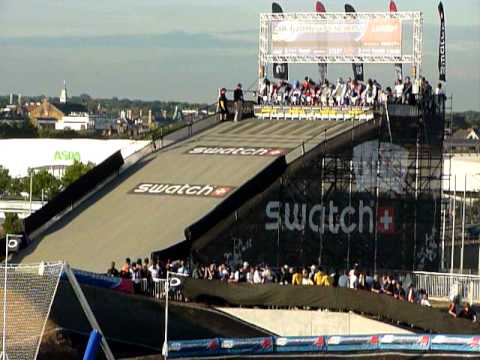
column 358, row 67
column 398, row 66
column 280, row 71
column 339, row 37
column 442, row 46
column 322, row 67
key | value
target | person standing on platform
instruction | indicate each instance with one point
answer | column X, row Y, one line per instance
column 222, row 105
column 238, row 100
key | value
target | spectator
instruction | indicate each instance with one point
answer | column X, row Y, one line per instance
column 467, row 313
column 135, row 276
column 398, row 292
column 125, row 271
column 285, row 276
column 154, row 270
column 297, row 277
column 238, row 101
column 411, row 296
column 376, row 287
column 424, row 298
column 305, row 278
column 112, row 271
column 222, row 105
column 398, row 91
column 454, row 307
column 343, row 280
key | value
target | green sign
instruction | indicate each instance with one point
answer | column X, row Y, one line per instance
column 66, row 155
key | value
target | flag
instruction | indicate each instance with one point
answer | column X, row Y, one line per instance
column 322, row 67
column 442, row 46
column 357, row 67
column 398, row 66
column 280, row 71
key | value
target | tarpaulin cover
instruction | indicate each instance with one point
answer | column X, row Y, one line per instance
column 336, row 299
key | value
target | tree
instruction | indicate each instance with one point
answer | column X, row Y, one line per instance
column 43, row 180
column 12, row 224
column 5, row 180
column 75, row 171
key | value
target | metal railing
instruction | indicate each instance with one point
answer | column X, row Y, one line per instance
column 445, row 285
column 156, row 288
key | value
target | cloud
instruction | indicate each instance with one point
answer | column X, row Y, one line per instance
column 170, row 40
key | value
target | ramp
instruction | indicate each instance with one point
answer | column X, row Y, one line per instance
column 146, row 209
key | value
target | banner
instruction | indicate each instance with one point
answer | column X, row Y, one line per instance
column 404, row 342
column 322, row 67
column 247, row 346
column 300, row 344
column 348, row 36
column 398, row 66
column 358, row 67
column 352, row 343
column 442, row 46
column 187, row 348
column 280, row 71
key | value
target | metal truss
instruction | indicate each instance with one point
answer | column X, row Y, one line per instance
column 313, row 59
column 265, row 57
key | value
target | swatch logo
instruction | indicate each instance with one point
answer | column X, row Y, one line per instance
column 217, row 191
column 237, row 151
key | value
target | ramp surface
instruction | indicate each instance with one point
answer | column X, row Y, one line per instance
column 114, row 223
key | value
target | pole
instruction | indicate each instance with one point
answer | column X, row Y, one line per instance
column 453, row 223
column 349, row 216
column 165, row 341
column 87, row 310
column 31, row 190
column 463, row 224
column 4, row 355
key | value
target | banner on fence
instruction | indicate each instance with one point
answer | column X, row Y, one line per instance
column 404, row 342
column 352, row 343
column 300, row 344
column 247, row 346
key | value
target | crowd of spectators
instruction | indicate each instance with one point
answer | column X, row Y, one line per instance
column 345, row 93
column 153, row 270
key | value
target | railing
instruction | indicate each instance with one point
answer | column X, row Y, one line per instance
column 445, row 286
column 156, row 288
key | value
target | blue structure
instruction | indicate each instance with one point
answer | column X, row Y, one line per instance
column 325, row 344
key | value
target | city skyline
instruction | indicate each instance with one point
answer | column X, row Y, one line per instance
column 184, row 50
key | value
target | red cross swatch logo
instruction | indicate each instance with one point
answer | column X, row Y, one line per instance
column 386, row 220
column 221, row 191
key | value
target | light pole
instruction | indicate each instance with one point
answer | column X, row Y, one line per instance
column 11, row 241
column 165, row 340
column 175, row 282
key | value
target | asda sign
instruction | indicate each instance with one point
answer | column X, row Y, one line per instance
column 66, row 156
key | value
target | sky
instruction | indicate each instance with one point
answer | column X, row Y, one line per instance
column 186, row 49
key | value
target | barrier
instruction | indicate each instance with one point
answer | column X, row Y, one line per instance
column 246, row 346
column 272, row 112
column 178, row 349
column 300, row 344
column 440, row 285
column 74, row 192
column 352, row 343
column 326, row 344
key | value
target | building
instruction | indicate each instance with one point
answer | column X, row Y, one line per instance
column 62, row 115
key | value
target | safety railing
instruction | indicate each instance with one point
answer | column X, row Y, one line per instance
column 445, row 286
column 156, row 288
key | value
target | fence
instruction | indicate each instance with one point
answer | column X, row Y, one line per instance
column 444, row 286
column 156, row 289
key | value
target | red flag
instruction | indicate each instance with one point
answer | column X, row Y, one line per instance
column 393, row 6
column 319, row 8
